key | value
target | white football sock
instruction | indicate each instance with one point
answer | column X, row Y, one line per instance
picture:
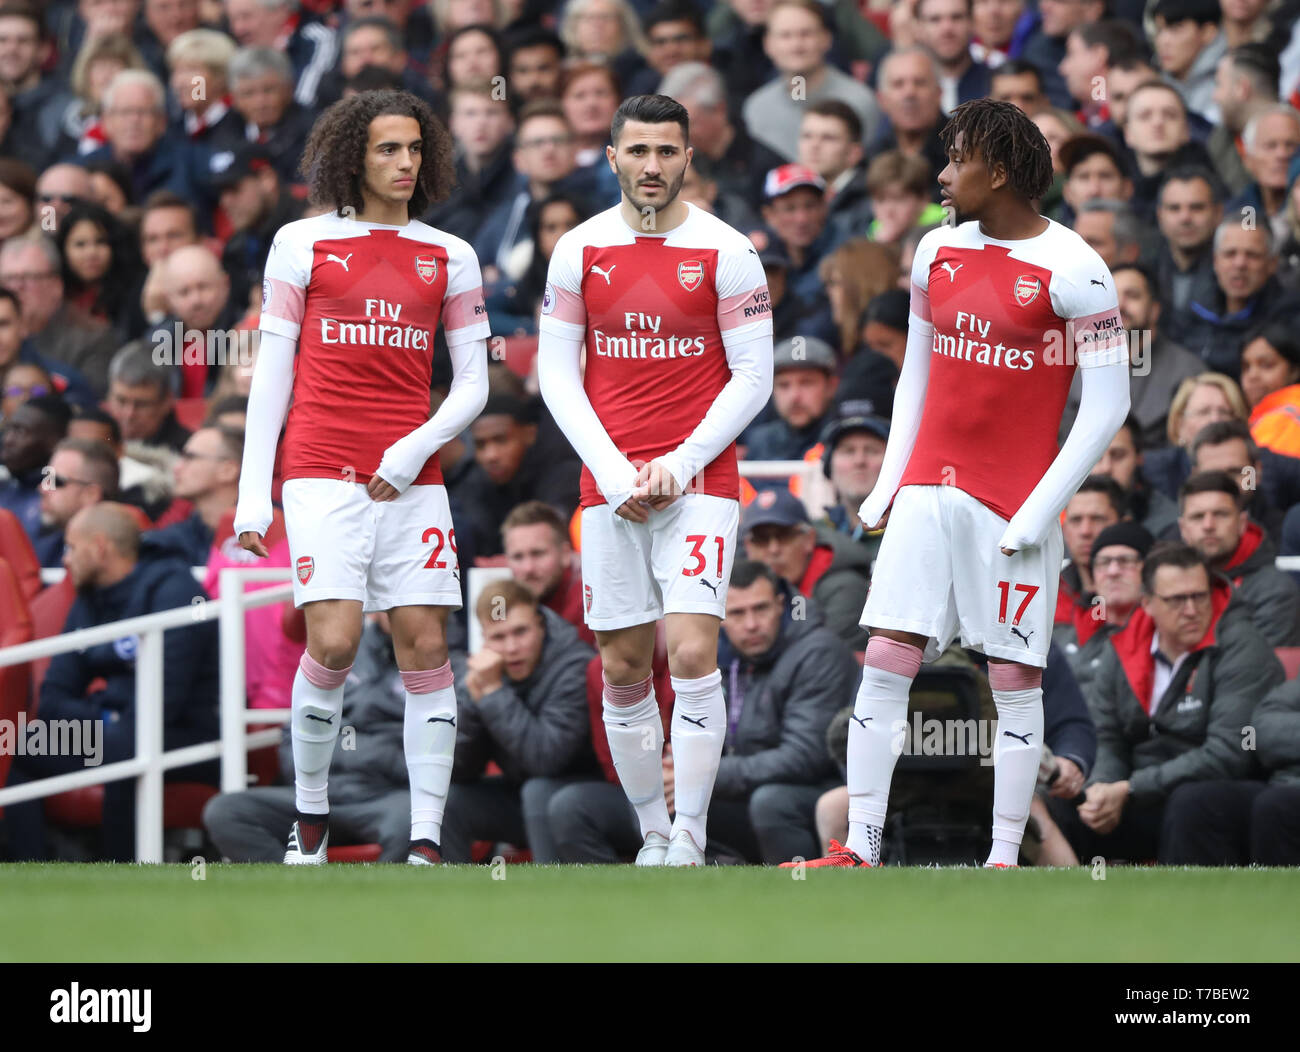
column 887, row 674
column 429, row 739
column 636, row 743
column 1018, row 694
column 317, row 707
column 699, row 732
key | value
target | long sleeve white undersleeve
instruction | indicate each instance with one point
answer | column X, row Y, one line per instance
column 905, row 423
column 739, row 401
column 268, row 402
column 560, row 379
column 404, row 459
column 1103, row 406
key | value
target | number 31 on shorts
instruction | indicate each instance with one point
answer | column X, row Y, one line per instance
column 1005, row 589
column 697, row 542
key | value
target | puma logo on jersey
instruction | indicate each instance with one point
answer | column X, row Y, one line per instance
column 1097, row 281
column 1023, row 737
column 711, row 587
column 604, row 273
column 952, row 271
column 331, row 258
column 1016, row 632
column 863, row 721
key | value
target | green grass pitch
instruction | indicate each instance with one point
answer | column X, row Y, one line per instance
column 619, row 913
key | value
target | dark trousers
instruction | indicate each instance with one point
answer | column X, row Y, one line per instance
column 593, row 822
column 1235, row 823
column 253, row 826
column 498, row 810
column 25, row 822
column 1170, row 831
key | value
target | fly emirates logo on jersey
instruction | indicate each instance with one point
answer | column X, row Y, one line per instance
column 972, row 344
column 382, row 328
column 642, row 337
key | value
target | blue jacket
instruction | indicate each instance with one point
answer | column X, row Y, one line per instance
column 165, row 167
column 189, row 657
column 189, row 540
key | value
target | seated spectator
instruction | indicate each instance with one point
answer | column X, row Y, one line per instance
column 18, row 215
column 818, row 562
column 944, row 29
column 1157, row 130
column 541, row 558
column 1189, row 45
column 511, row 468
column 1159, row 365
column 208, row 121
column 135, row 130
column 275, row 25
column 28, row 47
column 58, row 331
column 855, row 275
column 480, row 126
column 207, row 477
column 589, row 95
column 675, row 34
column 60, row 187
column 1015, row 80
column 1246, row 84
column 1099, row 502
column 1170, row 700
column 1045, row 45
column 1244, row 292
column 101, row 268
column 471, row 55
column 792, row 315
column 1227, row 446
column 899, row 186
column 854, row 449
column 1271, row 139
column 113, row 584
column 910, row 98
column 739, row 161
column 869, row 376
column 1189, row 208
column 140, row 399
column 797, row 41
column 30, row 435
column 534, row 60
column 257, row 205
column 201, row 320
column 803, row 395
column 1111, row 229
column 72, row 122
column 830, row 143
column 521, row 703
column 370, row 799
column 1090, row 49
column 23, row 381
column 1237, row 822
column 604, row 32
column 1270, row 380
column 262, row 88
column 373, row 40
column 82, row 472
column 514, row 307
column 140, row 484
column 1115, row 566
column 1212, row 521
column 16, row 349
column 1122, row 462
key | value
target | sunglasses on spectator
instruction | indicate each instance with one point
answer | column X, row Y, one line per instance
column 49, row 199
column 59, row 481
column 35, row 391
column 1197, row 599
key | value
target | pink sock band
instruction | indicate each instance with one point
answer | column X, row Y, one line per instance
column 320, row 676
column 1006, row 676
column 889, row 655
column 427, row 681
column 628, row 695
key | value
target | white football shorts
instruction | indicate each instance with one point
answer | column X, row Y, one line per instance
column 392, row 553
column 677, row 563
column 940, row 574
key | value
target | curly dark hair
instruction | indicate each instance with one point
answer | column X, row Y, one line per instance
column 113, row 290
column 335, row 156
column 1003, row 135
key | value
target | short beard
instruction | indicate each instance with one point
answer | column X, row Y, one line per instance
column 641, row 205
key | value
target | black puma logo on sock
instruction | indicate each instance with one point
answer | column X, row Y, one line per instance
column 699, row 723
column 1016, row 632
column 863, row 721
column 320, row 719
column 711, row 587
column 1023, row 737
column 442, row 719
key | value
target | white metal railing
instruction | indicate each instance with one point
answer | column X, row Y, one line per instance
column 150, row 760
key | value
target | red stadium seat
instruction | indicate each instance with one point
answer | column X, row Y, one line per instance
column 15, row 628
column 191, row 412
column 1290, row 658
column 49, row 614
column 16, row 549
column 354, row 853
column 183, row 804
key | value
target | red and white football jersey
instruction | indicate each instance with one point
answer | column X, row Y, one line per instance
column 653, row 310
column 1011, row 321
column 363, row 301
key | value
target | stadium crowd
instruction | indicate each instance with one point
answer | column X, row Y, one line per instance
column 149, row 152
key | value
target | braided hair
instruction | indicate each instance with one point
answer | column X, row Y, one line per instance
column 1003, row 135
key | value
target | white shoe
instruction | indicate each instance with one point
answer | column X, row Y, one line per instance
column 295, row 856
column 653, row 850
column 683, row 851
